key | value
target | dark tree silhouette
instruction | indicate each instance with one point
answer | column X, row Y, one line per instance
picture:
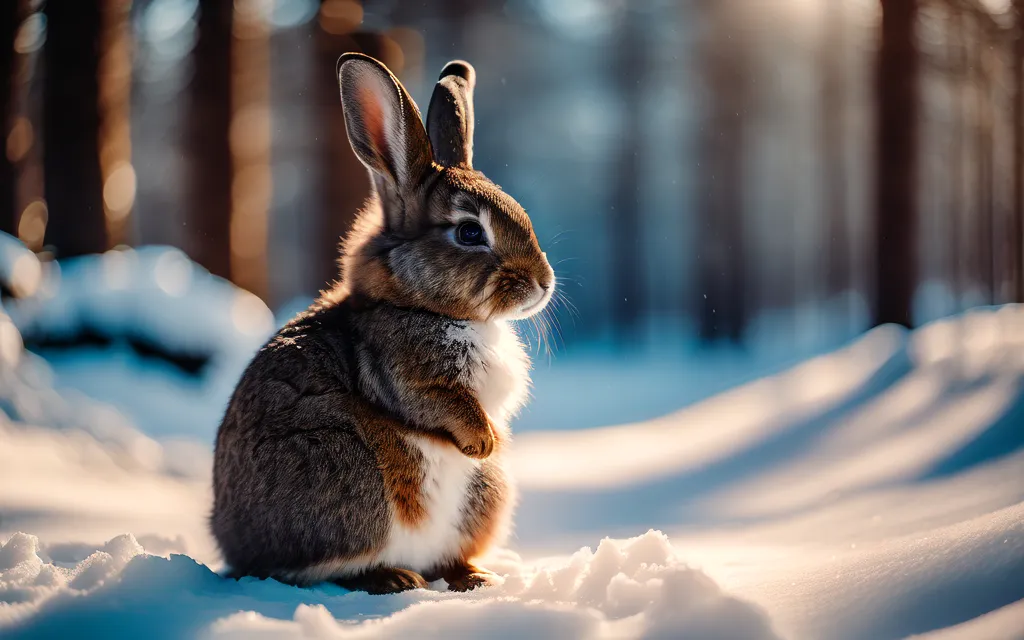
column 207, row 149
column 957, row 195
column 896, row 163
column 10, row 18
column 71, row 119
column 721, row 265
column 1017, row 226
column 984, row 143
column 625, row 224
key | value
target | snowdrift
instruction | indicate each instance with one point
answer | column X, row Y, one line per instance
column 629, row 588
column 144, row 329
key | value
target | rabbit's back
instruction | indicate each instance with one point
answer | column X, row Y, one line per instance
column 295, row 481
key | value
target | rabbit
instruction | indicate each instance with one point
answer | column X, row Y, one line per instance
column 364, row 443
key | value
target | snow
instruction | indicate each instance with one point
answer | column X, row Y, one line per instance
column 150, row 296
column 623, row 589
column 872, row 491
column 999, row 623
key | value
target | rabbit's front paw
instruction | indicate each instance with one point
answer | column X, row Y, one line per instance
column 466, row 577
column 476, row 442
column 471, row 581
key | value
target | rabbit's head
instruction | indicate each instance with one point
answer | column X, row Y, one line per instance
column 436, row 234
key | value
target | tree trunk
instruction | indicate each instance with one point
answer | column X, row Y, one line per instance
column 207, row 148
column 71, row 120
column 896, row 163
column 984, row 143
column 115, row 146
column 251, row 141
column 344, row 182
column 1017, row 126
column 721, row 246
column 833, row 103
column 957, row 198
column 625, row 224
column 10, row 19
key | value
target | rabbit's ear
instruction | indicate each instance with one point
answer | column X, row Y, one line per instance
column 384, row 125
column 450, row 115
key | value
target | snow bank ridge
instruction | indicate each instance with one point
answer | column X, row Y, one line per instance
column 636, row 588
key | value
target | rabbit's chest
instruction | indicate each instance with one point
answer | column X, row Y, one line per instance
column 447, row 480
column 495, row 367
column 491, row 361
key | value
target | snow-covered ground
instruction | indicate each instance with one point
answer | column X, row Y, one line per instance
column 874, row 491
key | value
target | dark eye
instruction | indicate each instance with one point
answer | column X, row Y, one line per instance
column 470, row 233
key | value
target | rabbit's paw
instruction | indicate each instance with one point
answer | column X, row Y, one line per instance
column 384, row 580
column 476, row 442
column 470, row 581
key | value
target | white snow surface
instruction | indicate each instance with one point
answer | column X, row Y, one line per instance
column 876, row 491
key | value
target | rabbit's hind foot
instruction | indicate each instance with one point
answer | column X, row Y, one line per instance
column 383, row 580
column 466, row 577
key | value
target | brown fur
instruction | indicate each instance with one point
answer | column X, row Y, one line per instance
column 400, row 466
column 320, row 471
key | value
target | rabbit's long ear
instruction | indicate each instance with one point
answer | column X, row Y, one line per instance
column 384, row 125
column 450, row 115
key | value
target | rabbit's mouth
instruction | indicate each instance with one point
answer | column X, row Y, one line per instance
column 534, row 305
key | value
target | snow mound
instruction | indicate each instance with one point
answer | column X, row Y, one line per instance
column 74, row 422
column 146, row 330
column 635, row 588
column 27, row 580
column 152, row 293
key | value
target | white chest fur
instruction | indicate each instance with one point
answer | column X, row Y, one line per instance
column 497, row 368
column 437, row 538
column 447, row 474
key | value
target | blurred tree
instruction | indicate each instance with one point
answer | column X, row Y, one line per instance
column 115, row 147
column 957, row 192
column 459, row 16
column 896, row 75
column 625, row 222
column 834, row 174
column 981, row 80
column 10, row 18
column 296, row 129
column 720, row 243
column 206, row 143
column 1017, row 114
column 344, row 183
column 249, row 140
column 71, row 121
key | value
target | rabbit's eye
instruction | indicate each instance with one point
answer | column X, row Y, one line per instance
column 470, row 234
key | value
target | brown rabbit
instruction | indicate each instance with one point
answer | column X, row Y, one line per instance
column 363, row 444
